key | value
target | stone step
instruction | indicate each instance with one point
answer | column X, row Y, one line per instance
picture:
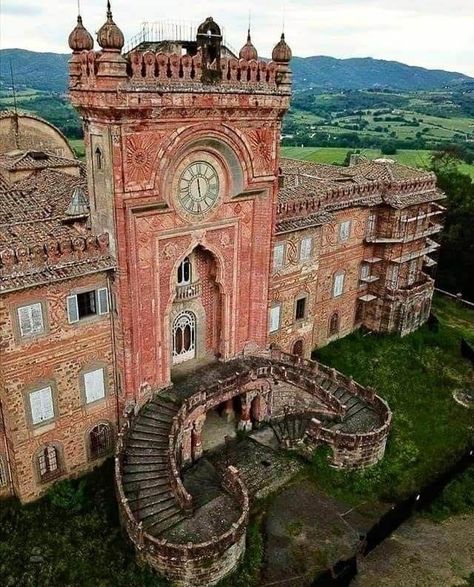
column 142, row 504
column 333, row 387
column 139, row 476
column 156, row 525
column 147, row 436
column 137, row 444
column 153, row 411
column 154, row 483
column 326, row 384
column 356, row 410
column 142, row 451
column 165, row 406
column 145, row 467
column 352, row 402
column 153, row 459
column 158, row 512
column 147, row 427
column 145, row 492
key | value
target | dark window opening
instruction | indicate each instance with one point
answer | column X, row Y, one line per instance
column 98, row 158
column 48, row 463
column 100, row 441
column 300, row 309
column 86, row 304
column 334, row 324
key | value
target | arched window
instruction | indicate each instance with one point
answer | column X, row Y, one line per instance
column 98, row 159
column 48, row 463
column 184, row 337
column 334, row 324
column 3, row 473
column 184, row 276
column 100, row 441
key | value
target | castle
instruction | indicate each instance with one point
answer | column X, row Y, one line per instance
column 187, row 270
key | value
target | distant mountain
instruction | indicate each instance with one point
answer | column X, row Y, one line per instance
column 48, row 72
column 363, row 73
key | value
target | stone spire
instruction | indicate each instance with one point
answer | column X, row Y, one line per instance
column 78, row 206
column 110, row 37
column 248, row 51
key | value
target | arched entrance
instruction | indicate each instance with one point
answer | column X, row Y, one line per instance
column 298, row 348
column 184, row 337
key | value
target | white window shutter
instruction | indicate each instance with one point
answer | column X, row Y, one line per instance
column 278, row 256
column 41, row 403
column 306, row 248
column 103, row 301
column 94, row 385
column 338, row 285
column 37, row 318
column 24, row 320
column 275, row 318
column 364, row 271
column 72, row 309
column 345, row 230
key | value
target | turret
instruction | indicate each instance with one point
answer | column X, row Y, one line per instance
column 248, row 51
column 282, row 55
column 111, row 64
column 79, row 40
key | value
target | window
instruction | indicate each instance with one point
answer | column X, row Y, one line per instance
column 30, row 319
column 41, row 406
column 87, row 304
column 184, row 337
column 275, row 312
column 338, row 285
column 98, row 159
column 298, row 348
column 306, row 248
column 184, row 276
column 364, row 273
column 344, row 230
column 100, row 441
column 392, row 276
column 334, row 324
column 412, row 271
column 48, row 463
column 3, row 473
column 300, row 309
column 94, row 385
column 371, row 225
column 278, row 256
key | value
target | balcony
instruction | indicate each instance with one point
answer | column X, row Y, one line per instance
column 188, row 292
column 423, row 283
column 404, row 236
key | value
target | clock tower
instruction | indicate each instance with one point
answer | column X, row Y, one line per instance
column 182, row 140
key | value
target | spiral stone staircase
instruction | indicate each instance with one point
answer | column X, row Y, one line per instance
column 153, row 501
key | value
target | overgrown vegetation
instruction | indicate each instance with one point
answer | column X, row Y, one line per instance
column 70, row 537
column 457, row 498
column 417, row 375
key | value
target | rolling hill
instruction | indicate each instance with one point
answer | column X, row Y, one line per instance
column 48, row 72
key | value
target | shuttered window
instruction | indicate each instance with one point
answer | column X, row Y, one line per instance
column 30, row 319
column 344, row 230
column 364, row 271
column 338, row 286
column 48, row 463
column 278, row 256
column 3, row 473
column 306, row 248
column 275, row 318
column 87, row 304
column 41, row 404
column 94, row 385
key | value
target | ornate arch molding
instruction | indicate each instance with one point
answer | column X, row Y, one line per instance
column 224, row 142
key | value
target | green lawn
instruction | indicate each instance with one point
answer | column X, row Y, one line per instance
column 337, row 155
column 417, row 375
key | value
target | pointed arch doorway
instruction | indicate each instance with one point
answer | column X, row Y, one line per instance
column 184, row 337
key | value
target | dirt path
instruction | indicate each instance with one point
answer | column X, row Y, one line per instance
column 422, row 554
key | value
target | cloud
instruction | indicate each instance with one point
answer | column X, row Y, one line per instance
column 431, row 33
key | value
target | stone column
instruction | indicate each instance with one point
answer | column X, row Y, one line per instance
column 245, row 423
column 186, row 447
column 197, row 437
column 229, row 413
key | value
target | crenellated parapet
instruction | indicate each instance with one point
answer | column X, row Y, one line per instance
column 69, row 256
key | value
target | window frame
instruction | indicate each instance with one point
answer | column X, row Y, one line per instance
column 91, row 368
column 49, row 476
column 16, row 320
column 72, row 304
column 110, row 441
column 4, row 474
column 342, row 224
column 38, row 386
column 275, row 267
column 332, row 333
column 181, row 269
column 302, row 297
column 336, row 276
column 272, row 307
column 311, row 245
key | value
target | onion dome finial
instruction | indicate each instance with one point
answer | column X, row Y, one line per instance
column 282, row 52
column 110, row 37
column 80, row 39
column 248, row 51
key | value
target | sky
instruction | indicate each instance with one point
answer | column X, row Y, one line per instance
column 437, row 34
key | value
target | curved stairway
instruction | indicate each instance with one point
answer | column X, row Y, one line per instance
column 146, row 480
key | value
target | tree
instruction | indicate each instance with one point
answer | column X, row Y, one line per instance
column 456, row 261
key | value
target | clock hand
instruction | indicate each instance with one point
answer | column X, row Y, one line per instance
column 199, row 187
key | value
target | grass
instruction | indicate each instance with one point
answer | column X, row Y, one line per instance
column 417, row 375
column 457, row 498
column 70, row 537
column 410, row 157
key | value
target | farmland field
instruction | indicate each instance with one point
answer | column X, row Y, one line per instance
column 413, row 158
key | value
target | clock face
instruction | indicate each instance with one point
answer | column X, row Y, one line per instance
column 198, row 187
